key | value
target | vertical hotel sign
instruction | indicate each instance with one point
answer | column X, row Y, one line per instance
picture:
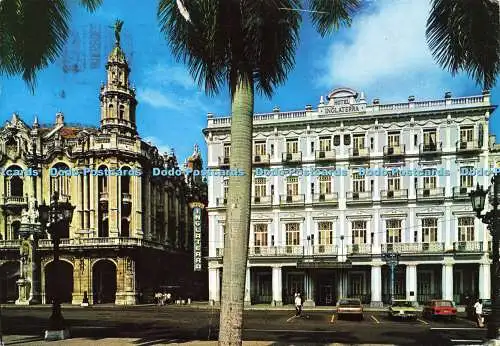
column 197, row 207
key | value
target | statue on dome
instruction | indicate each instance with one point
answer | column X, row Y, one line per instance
column 118, row 29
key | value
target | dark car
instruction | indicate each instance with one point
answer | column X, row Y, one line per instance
column 471, row 311
column 349, row 307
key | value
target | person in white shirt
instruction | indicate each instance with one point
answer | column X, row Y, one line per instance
column 298, row 304
column 478, row 307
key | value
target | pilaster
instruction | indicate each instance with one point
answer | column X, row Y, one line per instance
column 125, row 282
column 411, row 282
column 484, row 281
column 447, row 281
column 277, row 286
column 376, row 285
column 214, row 285
column 248, row 287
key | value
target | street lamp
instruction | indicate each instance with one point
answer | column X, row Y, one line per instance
column 392, row 259
column 56, row 217
column 478, row 198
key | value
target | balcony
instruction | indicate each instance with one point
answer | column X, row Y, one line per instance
column 263, row 159
column 276, row 251
column 10, row 244
column 394, row 150
column 325, row 155
column 103, row 242
column 359, row 249
column 359, row 153
column 393, row 196
column 461, row 193
column 326, row 250
column 291, row 157
column 468, row 246
column 359, row 197
column 287, row 200
column 430, row 194
column 468, row 147
column 15, row 201
column 264, row 201
column 220, row 202
column 224, row 161
column 126, row 198
column 414, row 248
column 428, row 151
column 326, row 198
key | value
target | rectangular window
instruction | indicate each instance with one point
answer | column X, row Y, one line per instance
column 260, row 234
column 325, row 232
column 359, row 232
column 260, row 148
column 292, row 234
column 394, row 182
column 393, row 139
column 260, row 187
column 226, row 188
column 292, row 146
column 272, row 149
column 467, row 180
column 336, row 140
column 358, row 183
column 292, row 186
column 393, row 231
column 227, row 150
column 429, row 230
column 312, row 147
column 430, row 139
column 430, row 182
column 466, row 134
column 347, row 139
column 466, row 229
column 358, row 141
column 325, row 184
column 325, row 144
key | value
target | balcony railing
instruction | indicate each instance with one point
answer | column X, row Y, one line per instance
column 223, row 161
column 104, row 242
column 431, row 247
column 10, row 244
column 468, row 246
column 359, row 197
column 431, row 149
column 393, row 195
column 292, row 199
column 325, row 155
column 285, row 250
column 430, row 193
column 394, row 150
column 263, row 159
column 327, row 249
column 359, row 249
column 221, row 202
column 15, row 200
column 126, row 197
column 359, row 153
column 291, row 157
column 327, row 198
column 460, row 192
column 465, row 146
column 262, row 200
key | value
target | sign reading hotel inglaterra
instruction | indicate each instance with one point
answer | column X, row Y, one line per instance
column 343, row 109
column 197, row 255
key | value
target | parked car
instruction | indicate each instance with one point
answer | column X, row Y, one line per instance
column 404, row 309
column 439, row 308
column 349, row 307
column 471, row 311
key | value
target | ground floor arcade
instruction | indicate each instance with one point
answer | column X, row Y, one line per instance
column 277, row 284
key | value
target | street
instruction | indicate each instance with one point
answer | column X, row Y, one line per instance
column 154, row 325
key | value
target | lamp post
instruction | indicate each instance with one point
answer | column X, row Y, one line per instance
column 392, row 259
column 490, row 218
column 56, row 217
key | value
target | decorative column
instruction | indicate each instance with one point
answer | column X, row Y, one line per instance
column 277, row 286
column 248, row 288
column 411, row 282
column 484, row 281
column 376, row 285
column 113, row 201
column 447, row 281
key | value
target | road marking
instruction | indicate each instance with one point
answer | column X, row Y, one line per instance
column 291, row 318
column 289, row 331
column 465, row 340
column 333, row 318
column 418, row 319
column 455, row 328
column 373, row 317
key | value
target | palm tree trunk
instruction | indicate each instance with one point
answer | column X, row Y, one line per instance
column 237, row 215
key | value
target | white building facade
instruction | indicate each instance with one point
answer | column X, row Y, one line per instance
column 324, row 233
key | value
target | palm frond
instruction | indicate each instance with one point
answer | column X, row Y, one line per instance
column 464, row 36
column 329, row 15
column 91, row 5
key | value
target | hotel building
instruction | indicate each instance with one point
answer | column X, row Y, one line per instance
column 326, row 236
column 129, row 236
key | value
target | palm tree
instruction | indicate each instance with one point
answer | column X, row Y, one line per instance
column 32, row 35
column 248, row 45
column 464, row 35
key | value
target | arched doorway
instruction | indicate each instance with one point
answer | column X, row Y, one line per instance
column 104, row 282
column 63, row 278
column 9, row 274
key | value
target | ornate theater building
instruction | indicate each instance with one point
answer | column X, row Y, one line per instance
column 328, row 236
column 130, row 235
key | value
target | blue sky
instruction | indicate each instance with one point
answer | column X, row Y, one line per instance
column 383, row 54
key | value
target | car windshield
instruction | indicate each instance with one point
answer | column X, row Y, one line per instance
column 486, row 302
column 349, row 302
column 403, row 304
column 443, row 303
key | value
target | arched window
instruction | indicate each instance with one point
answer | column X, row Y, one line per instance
column 14, row 185
column 122, row 111
column 60, row 182
column 103, row 180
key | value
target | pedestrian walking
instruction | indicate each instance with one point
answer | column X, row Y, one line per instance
column 479, row 313
column 298, row 304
